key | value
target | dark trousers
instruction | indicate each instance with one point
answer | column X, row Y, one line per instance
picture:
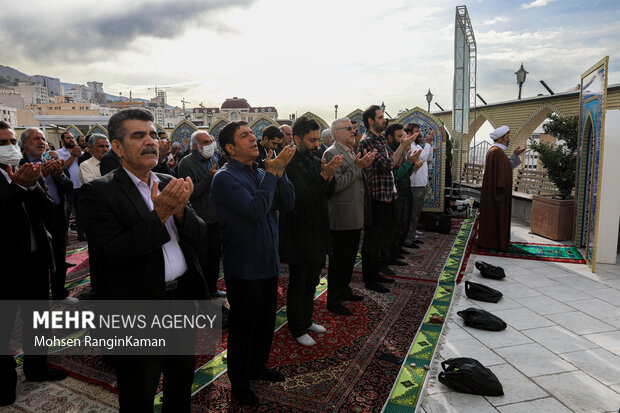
column 251, row 321
column 29, row 282
column 302, row 284
column 342, row 256
column 375, row 236
column 73, row 202
column 399, row 209
column 138, row 378
column 210, row 259
column 59, row 248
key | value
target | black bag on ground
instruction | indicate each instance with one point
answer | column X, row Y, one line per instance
column 490, row 271
column 467, row 375
column 445, row 224
column 477, row 318
column 481, row 292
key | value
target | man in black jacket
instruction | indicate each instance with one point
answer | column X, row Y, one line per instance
column 26, row 254
column 308, row 235
column 142, row 238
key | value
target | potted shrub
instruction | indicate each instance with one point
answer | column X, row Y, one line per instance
column 552, row 216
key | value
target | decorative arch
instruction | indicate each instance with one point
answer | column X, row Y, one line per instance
column 538, row 115
column 357, row 117
column 217, row 127
column 97, row 128
column 434, row 198
column 182, row 133
column 260, row 124
column 159, row 127
column 319, row 119
column 75, row 131
column 474, row 126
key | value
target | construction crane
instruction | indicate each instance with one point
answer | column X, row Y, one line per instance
column 156, row 88
column 183, row 101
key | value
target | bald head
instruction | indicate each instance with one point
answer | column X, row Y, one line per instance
column 288, row 134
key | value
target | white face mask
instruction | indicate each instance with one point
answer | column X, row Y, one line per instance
column 208, row 150
column 10, row 155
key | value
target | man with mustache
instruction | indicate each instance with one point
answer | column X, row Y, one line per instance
column 142, row 239
column 70, row 153
column 246, row 198
column 307, row 241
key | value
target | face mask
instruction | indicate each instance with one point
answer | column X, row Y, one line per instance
column 10, row 155
column 208, row 150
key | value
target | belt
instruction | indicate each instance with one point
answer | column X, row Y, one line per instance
column 172, row 285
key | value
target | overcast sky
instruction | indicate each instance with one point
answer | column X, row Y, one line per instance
column 307, row 55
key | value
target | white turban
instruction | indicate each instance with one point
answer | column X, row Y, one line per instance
column 499, row 132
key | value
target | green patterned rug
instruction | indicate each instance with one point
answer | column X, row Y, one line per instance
column 408, row 387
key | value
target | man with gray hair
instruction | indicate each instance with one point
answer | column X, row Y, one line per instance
column 200, row 166
column 90, row 169
column 348, row 210
column 288, row 135
column 326, row 141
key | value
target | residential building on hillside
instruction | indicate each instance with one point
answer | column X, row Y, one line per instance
column 8, row 114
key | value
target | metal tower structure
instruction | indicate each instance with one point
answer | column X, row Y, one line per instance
column 464, row 92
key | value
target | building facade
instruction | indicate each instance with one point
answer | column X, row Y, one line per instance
column 233, row 109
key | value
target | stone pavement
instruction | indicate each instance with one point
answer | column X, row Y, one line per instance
column 561, row 349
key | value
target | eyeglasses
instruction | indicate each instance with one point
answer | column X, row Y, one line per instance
column 349, row 128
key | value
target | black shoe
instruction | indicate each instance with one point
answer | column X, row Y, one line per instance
column 397, row 257
column 418, row 241
column 352, row 297
column 386, row 270
column 403, row 251
column 384, row 280
column 245, row 397
column 412, row 245
column 338, row 308
column 268, row 375
column 377, row 287
column 397, row 263
column 70, row 264
column 47, row 375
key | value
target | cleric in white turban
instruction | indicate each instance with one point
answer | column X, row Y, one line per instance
column 496, row 193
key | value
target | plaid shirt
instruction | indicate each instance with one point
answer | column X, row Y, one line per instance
column 380, row 177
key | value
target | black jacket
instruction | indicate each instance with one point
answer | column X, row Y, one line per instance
column 191, row 167
column 306, row 238
column 125, row 240
column 109, row 163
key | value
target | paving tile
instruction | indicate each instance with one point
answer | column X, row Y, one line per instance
column 565, row 293
column 580, row 392
column 607, row 294
column 543, row 305
column 598, row 363
column 534, row 360
column 470, row 348
column 614, row 282
column 534, row 280
column 455, row 332
column 616, row 388
column 558, row 339
column 503, row 304
column 452, row 402
column 610, row 268
column 613, row 321
column 596, row 308
column 517, row 290
column 517, row 387
column 609, row 340
column 580, row 323
column 579, row 282
column 547, row 405
column 523, row 318
column 496, row 339
column 477, row 278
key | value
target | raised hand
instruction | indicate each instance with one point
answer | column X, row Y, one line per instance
column 48, row 167
column 76, row 152
column 172, row 200
column 413, row 156
column 405, row 142
column 329, row 169
column 26, row 175
column 365, row 161
column 431, row 137
column 278, row 164
column 213, row 169
column 519, row 150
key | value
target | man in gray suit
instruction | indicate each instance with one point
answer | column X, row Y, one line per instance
column 348, row 209
column 200, row 166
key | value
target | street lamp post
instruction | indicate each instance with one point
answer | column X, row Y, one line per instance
column 521, row 75
column 336, row 115
column 429, row 99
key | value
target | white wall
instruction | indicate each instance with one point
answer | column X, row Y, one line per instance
column 609, row 215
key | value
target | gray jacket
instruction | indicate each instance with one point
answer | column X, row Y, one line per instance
column 349, row 207
column 201, row 197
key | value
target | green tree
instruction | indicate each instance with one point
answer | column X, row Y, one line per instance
column 560, row 160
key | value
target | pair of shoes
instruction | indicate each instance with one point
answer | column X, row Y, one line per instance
column 398, row 263
column 70, row 300
column 317, row 328
column 338, row 308
column 69, row 264
column 412, row 245
column 386, row 270
column 352, row 297
column 47, row 375
column 383, row 279
column 305, row 340
column 245, row 397
column 269, row 375
column 377, row 287
column 219, row 294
